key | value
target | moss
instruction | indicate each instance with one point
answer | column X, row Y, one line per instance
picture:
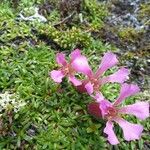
column 11, row 30
column 78, row 33
column 129, row 34
column 6, row 12
column 144, row 10
column 67, row 39
column 95, row 12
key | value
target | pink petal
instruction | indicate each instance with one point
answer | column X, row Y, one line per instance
column 75, row 81
column 139, row 109
column 76, row 53
column 57, row 75
column 126, row 91
column 120, row 76
column 112, row 138
column 98, row 96
column 131, row 131
column 108, row 61
column 60, row 58
column 80, row 64
column 89, row 88
column 104, row 106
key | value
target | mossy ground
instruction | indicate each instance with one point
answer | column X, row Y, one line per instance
column 55, row 116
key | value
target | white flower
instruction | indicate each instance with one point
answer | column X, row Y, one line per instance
column 10, row 101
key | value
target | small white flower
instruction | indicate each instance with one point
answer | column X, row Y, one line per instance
column 10, row 101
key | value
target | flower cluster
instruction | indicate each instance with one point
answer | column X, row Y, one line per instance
column 101, row 107
column 8, row 102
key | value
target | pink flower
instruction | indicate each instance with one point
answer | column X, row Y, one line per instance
column 66, row 69
column 94, row 80
column 112, row 113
